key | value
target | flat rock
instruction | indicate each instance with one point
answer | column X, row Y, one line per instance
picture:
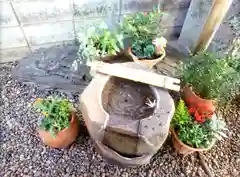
column 57, row 67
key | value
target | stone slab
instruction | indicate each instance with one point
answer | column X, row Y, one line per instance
column 131, row 6
column 228, row 30
column 96, row 8
column 12, row 37
column 44, row 10
column 7, row 17
column 194, row 22
column 13, row 54
column 48, row 45
column 49, row 32
column 222, row 39
column 53, row 68
column 174, row 17
column 172, row 33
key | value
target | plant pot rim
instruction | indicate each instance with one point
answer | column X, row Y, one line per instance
column 73, row 116
column 135, row 58
column 189, row 147
column 190, row 88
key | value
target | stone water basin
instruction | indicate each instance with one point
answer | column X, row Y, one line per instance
column 127, row 120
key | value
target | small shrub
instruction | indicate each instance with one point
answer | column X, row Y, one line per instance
column 56, row 114
column 142, row 28
column 211, row 77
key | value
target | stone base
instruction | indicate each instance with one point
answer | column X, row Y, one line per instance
column 124, row 140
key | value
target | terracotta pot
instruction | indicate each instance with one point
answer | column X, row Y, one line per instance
column 64, row 138
column 204, row 106
column 149, row 62
column 107, row 58
column 184, row 149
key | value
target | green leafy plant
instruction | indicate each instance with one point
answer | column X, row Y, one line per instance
column 56, row 114
column 99, row 42
column 144, row 48
column 197, row 134
column 210, row 76
column 181, row 116
column 142, row 28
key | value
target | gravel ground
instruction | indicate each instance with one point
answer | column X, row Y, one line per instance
column 23, row 154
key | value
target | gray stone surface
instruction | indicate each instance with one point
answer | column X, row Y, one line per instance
column 229, row 29
column 121, row 138
column 130, row 6
column 49, row 32
column 53, row 68
column 173, row 17
column 194, row 22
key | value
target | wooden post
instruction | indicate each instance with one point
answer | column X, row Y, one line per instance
column 214, row 20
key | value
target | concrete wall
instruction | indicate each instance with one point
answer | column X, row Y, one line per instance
column 26, row 25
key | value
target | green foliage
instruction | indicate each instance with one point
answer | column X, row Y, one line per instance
column 215, row 127
column 55, row 114
column 142, row 28
column 210, row 76
column 194, row 133
column 144, row 49
column 99, row 42
column 181, row 116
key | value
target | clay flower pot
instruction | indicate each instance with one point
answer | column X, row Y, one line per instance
column 203, row 106
column 107, row 58
column 184, row 149
column 149, row 62
column 63, row 138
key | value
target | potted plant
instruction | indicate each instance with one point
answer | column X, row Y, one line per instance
column 192, row 132
column 208, row 81
column 100, row 43
column 147, row 43
column 58, row 125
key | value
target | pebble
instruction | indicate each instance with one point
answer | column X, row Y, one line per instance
column 26, row 170
column 37, row 174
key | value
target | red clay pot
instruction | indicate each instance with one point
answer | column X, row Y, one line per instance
column 184, row 149
column 194, row 101
column 149, row 63
column 64, row 138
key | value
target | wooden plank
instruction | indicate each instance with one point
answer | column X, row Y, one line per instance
column 214, row 20
column 137, row 75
